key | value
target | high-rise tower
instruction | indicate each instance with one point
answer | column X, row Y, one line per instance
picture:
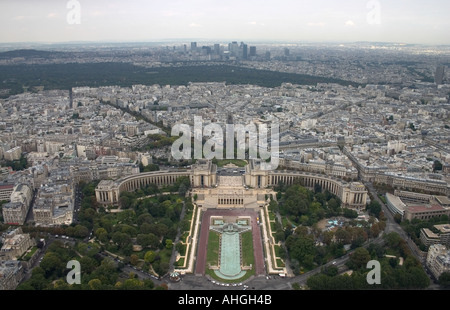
column 439, row 75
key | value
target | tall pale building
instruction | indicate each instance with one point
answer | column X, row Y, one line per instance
column 439, row 75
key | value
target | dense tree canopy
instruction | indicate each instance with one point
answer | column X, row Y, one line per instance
column 409, row 275
column 54, row 76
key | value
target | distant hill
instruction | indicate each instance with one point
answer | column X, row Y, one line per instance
column 29, row 53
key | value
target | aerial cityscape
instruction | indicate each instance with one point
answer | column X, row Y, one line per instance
column 185, row 163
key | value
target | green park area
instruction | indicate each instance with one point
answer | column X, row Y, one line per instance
column 18, row 78
column 213, row 253
column 139, row 235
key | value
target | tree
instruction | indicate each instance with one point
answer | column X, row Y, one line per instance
column 182, row 190
column 161, row 268
column 148, row 240
column 149, row 257
column 145, row 228
column 107, row 272
column 169, row 244
column 319, row 281
column 374, row 208
column 393, row 239
column 317, row 188
column 88, row 264
column 148, row 284
column 81, row 231
column 349, row 213
column 331, row 271
column 121, row 239
column 302, row 249
column 101, row 234
column 437, row 165
column 144, row 218
column 36, row 282
column 333, row 204
column 358, row 236
column 181, row 249
column 393, row 262
column 343, row 236
column 376, row 250
column 159, row 229
column 95, row 284
column 132, row 284
column 125, row 202
column 374, row 230
column 127, row 217
column 359, row 258
column 444, row 279
column 297, row 200
column 328, row 237
column 52, row 265
column 418, row 277
column 397, row 218
column 127, row 229
column 134, row 259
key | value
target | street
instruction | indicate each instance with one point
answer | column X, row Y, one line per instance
column 393, row 226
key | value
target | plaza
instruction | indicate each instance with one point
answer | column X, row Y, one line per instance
column 231, row 200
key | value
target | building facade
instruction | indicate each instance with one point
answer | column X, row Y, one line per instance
column 54, row 204
column 11, row 274
column 6, row 191
column 428, row 237
column 15, row 244
column 16, row 210
column 438, row 259
column 13, row 154
column 352, row 194
column 204, row 175
column 415, row 205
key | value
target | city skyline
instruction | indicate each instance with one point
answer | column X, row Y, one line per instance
column 96, row 166
column 52, row 21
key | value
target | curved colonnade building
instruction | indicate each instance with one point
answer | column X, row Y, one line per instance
column 233, row 188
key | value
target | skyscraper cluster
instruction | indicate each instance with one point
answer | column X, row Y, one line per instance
column 241, row 51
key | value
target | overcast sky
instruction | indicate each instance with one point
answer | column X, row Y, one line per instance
column 406, row 21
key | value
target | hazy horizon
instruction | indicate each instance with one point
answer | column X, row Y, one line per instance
column 289, row 21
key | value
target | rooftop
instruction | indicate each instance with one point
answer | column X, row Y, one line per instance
column 430, row 234
column 396, row 201
column 443, row 200
column 444, row 228
column 425, row 208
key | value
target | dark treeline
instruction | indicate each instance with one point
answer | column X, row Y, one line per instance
column 66, row 76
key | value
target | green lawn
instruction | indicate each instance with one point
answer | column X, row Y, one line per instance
column 212, row 254
column 277, row 249
column 280, row 263
column 180, row 262
column 272, row 216
column 247, row 249
column 28, row 255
